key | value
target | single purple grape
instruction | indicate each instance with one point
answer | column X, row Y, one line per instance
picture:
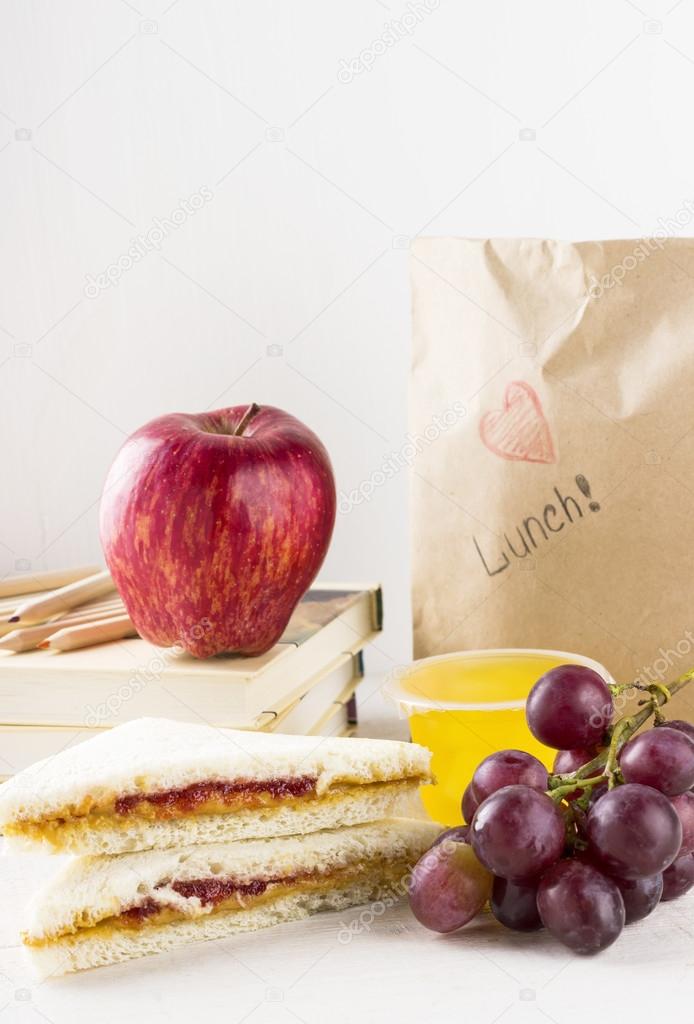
column 634, row 831
column 679, row 877
column 661, row 758
column 457, row 834
column 684, row 805
column 448, row 887
column 568, row 707
column 469, row 804
column 508, row 768
column 517, row 832
column 641, row 895
column 679, row 724
column 580, row 906
column 571, row 760
column 514, row 904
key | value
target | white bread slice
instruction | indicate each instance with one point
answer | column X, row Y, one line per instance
column 154, row 755
column 88, row 890
column 84, row 952
column 359, row 804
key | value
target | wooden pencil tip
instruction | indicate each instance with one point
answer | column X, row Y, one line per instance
column 15, row 618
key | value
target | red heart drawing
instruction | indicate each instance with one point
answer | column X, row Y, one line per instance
column 518, row 432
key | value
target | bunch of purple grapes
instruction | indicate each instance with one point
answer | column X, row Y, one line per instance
column 580, row 857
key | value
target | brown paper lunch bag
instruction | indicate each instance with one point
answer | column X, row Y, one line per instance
column 552, row 410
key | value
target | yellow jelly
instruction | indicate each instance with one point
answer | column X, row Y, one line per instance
column 465, row 706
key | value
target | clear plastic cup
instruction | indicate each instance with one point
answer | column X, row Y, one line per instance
column 465, row 706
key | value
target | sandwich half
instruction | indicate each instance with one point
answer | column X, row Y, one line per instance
column 153, row 783
column 101, row 910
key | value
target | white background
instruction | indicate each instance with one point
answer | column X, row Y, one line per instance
column 290, row 286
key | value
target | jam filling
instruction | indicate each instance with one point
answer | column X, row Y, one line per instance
column 210, row 892
column 188, row 798
column 136, row 914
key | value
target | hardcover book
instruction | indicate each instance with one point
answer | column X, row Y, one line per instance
column 105, row 685
column 327, row 708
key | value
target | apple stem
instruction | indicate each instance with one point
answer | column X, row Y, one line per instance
column 246, row 419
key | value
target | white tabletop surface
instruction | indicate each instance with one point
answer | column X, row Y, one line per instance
column 387, row 969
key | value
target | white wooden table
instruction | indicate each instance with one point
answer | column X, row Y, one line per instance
column 391, row 970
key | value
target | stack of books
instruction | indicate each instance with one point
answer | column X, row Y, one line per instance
column 52, row 697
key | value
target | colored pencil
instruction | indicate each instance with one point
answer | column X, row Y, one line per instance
column 30, row 613
column 33, row 582
column 98, row 632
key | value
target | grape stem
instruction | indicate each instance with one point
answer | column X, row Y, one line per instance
column 612, row 773
column 559, row 792
column 617, row 688
column 606, row 761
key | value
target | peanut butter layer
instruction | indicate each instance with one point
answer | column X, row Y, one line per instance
column 229, row 896
column 202, row 799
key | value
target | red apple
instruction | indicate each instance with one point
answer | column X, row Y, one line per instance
column 214, row 526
